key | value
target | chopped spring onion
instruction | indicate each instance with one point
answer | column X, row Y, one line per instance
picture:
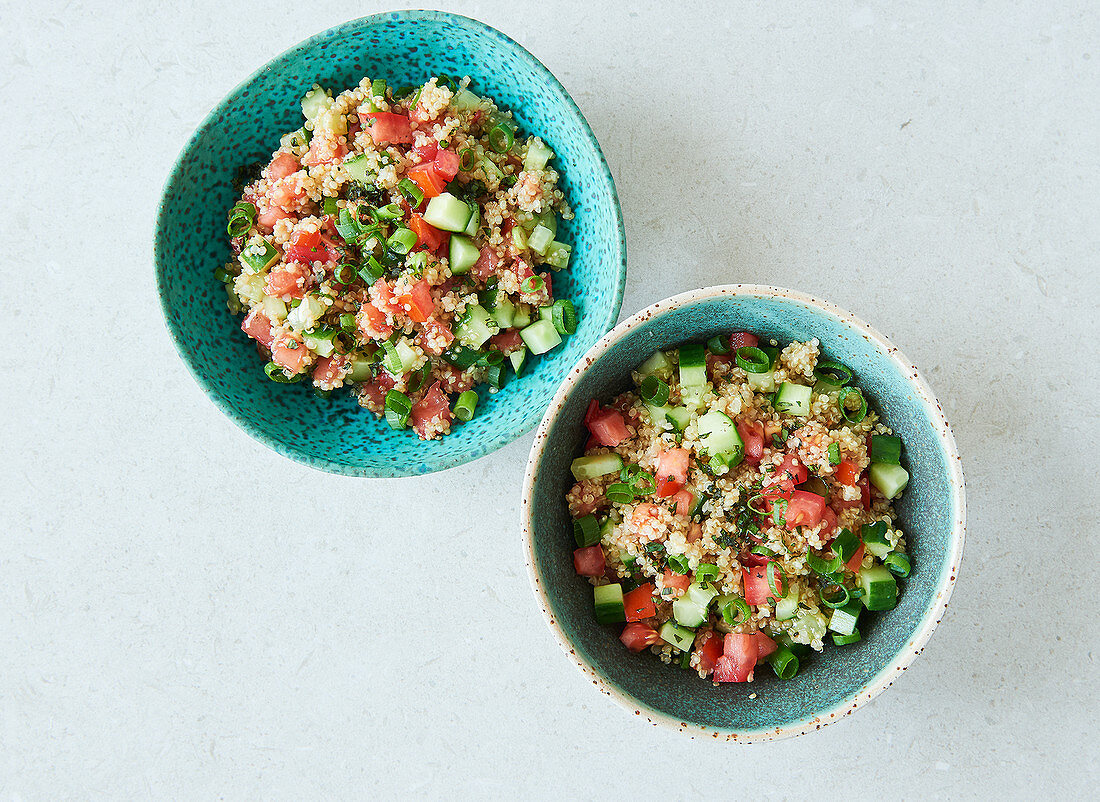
column 898, row 564
column 501, row 138
column 391, row 211
column 378, row 87
column 347, row 321
column 401, row 241
column 776, row 577
column 751, row 504
column 858, row 414
column 763, row 551
column 392, row 361
column 679, row 563
column 834, row 453
column 531, row 285
column 371, row 270
column 467, row 159
column 718, row 345
column 411, row 191
column 845, row 640
column 820, row 566
column 275, row 372
column 619, row 493
column 706, row 572
column 654, row 391
column 736, row 611
column 465, row 405
column 240, row 219
column 398, row 407
column 329, row 207
column 224, row 276
column 752, row 360
column 344, row 273
column 564, row 316
column 461, row 357
column 586, row 531
column 832, row 373
column 845, row 545
column 886, row 448
column 834, row 602
column 783, row 662
column 419, row 378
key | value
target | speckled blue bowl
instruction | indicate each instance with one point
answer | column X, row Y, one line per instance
column 405, row 47
column 830, row 685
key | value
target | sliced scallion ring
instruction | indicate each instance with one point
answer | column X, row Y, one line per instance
column 751, row 504
column 832, row 373
column 679, row 563
column 531, row 285
column 401, row 241
column 564, row 316
column 619, row 493
column 654, row 391
column 735, row 612
column 467, row 159
column 898, row 564
column 852, row 416
column 501, row 138
column 776, row 575
column 465, row 405
column 833, row 603
column 398, row 407
column 820, row 566
column 344, row 273
column 706, row 572
column 752, row 360
column 718, row 345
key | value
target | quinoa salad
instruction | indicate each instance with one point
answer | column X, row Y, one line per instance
column 401, row 244
column 736, row 507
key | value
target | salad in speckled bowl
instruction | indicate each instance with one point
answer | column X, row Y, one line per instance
column 314, row 217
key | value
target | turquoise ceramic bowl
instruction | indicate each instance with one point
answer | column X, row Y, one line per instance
column 830, row 685
column 404, row 47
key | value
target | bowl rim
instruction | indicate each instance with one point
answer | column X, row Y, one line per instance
column 931, row 616
column 160, row 256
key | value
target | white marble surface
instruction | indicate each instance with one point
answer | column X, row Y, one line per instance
column 181, row 618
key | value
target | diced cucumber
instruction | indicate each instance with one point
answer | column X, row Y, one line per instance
column 465, row 100
column 889, row 479
column 658, row 415
column 540, row 336
column 596, row 465
column 250, row 286
column 846, row 544
column 693, row 365
column 274, row 308
column 521, row 318
column 762, row 382
column 492, row 172
column 407, row 354
column 475, row 327
column 518, row 359
column 843, row 620
column 538, row 154
column 258, row 254
column 315, row 101
column 295, row 139
column 786, row 607
column 657, row 365
column 447, row 212
column 358, row 169
column 680, row 638
column 540, row 239
column 463, row 254
column 360, row 369
column 475, row 221
column 679, row 417
column 718, row 435
column 306, row 314
column 811, row 623
column 503, row 311
column 687, row 613
column 880, row 589
column 875, row 539
column 546, row 313
column 519, row 237
column 822, row 387
column 546, row 219
column 608, row 601
column 692, row 396
column 701, row 594
column 557, row 255
column 320, row 341
column 793, row 399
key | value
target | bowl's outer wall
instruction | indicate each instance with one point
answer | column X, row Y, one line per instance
column 404, row 48
column 826, row 680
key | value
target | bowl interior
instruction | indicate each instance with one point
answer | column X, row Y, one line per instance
column 404, row 48
column 927, row 513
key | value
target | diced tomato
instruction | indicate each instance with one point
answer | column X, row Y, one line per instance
column 287, row 195
column 752, row 435
column 426, row 177
column 387, row 128
column 258, row 327
column 428, row 237
column 804, row 509
column 608, row 427
column 757, row 588
column 435, row 337
column 282, row 165
column 713, row 361
column 847, row 472
column 695, row 532
column 741, row 339
column 672, row 471
column 382, row 294
column 376, row 389
column 709, row 651
column 506, row 341
column 739, row 658
column 755, row 560
column 328, row 370
column 764, row 645
column 372, row 322
column 678, row 581
column 287, row 279
column 829, row 517
column 589, row 561
column 638, row 637
column 431, row 409
column 427, row 151
column 446, row 164
column 272, row 215
column 293, row 359
column 684, row 500
column 420, row 115
column 592, row 411
column 865, row 492
column 793, row 468
column 324, row 150
column 639, row 603
column 856, row 560
column 419, row 301
column 308, row 247
column 486, row 265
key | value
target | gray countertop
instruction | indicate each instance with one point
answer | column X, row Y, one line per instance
column 185, row 614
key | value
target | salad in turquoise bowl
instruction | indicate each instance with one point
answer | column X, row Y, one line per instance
column 315, row 275
column 744, row 513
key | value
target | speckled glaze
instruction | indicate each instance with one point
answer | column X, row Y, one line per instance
column 832, row 684
column 404, row 47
